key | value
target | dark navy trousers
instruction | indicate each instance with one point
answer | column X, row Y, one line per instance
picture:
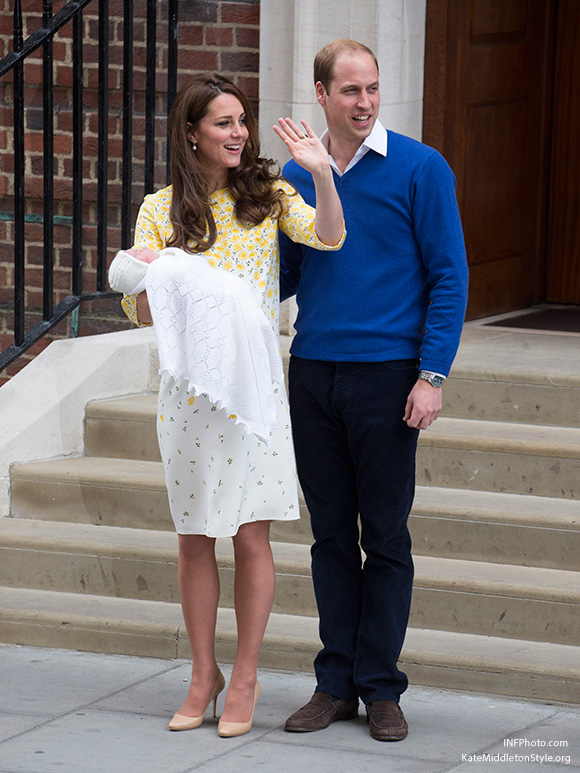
column 356, row 464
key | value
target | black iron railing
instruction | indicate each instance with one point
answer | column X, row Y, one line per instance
column 43, row 38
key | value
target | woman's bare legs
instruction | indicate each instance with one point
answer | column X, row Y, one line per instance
column 253, row 597
column 199, row 588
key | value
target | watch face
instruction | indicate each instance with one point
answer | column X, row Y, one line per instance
column 433, row 379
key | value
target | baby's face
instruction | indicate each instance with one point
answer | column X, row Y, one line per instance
column 143, row 253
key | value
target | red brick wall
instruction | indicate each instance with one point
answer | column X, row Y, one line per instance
column 212, row 35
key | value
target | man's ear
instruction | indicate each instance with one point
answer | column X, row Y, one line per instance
column 320, row 94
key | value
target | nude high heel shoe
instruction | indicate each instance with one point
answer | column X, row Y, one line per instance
column 231, row 729
column 183, row 722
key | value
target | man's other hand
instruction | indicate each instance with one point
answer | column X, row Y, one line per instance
column 423, row 405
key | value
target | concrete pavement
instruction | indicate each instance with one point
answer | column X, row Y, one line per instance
column 79, row 712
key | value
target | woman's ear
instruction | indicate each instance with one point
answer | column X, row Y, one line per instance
column 190, row 135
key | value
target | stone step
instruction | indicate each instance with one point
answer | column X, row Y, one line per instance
column 496, row 600
column 461, row 453
column 84, row 489
column 130, row 563
column 525, row 376
column 482, row 526
column 499, row 456
column 471, row 395
column 527, row 669
column 124, row 428
column 449, row 594
column 455, row 523
column 98, row 490
column 467, row 395
column 496, row 527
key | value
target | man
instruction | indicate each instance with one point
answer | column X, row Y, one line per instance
column 378, row 327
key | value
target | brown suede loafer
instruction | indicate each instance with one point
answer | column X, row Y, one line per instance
column 387, row 721
column 320, row 712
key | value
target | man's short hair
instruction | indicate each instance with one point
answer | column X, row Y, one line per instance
column 325, row 59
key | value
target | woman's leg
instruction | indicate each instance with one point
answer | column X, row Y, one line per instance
column 199, row 588
column 253, row 597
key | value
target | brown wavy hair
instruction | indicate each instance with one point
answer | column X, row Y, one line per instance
column 252, row 182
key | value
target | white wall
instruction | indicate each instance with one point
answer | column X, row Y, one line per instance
column 42, row 408
column 292, row 31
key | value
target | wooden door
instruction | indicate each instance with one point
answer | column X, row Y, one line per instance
column 486, row 108
column 563, row 253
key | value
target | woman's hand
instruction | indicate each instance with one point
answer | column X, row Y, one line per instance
column 143, row 310
column 304, row 146
column 308, row 151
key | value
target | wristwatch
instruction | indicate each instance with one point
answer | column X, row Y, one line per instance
column 433, row 378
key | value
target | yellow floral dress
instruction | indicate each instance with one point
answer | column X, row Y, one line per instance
column 218, row 476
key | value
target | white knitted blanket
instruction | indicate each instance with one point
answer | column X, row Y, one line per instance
column 211, row 330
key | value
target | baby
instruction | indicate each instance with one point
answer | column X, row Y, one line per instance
column 128, row 269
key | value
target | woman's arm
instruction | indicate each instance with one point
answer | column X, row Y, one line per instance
column 310, row 153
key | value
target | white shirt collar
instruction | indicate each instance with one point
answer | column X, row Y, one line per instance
column 377, row 141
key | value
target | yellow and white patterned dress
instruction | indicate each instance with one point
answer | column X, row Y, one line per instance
column 218, row 476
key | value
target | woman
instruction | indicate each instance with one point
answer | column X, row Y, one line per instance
column 227, row 203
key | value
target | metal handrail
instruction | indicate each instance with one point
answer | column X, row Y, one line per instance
column 47, row 31
column 51, row 23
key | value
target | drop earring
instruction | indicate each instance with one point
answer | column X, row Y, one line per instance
column 194, row 146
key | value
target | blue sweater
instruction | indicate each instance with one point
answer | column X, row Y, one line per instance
column 398, row 287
